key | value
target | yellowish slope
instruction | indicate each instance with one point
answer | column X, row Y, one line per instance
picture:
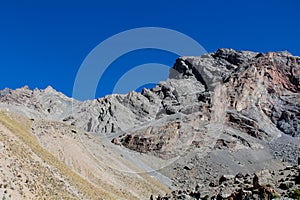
column 67, row 166
column 21, row 129
column 96, row 160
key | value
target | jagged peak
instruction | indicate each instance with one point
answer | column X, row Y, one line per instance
column 25, row 87
column 49, row 89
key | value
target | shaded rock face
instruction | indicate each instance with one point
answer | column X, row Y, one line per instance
column 150, row 140
column 168, row 137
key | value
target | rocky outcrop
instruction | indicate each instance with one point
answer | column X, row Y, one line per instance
column 168, row 137
column 260, row 87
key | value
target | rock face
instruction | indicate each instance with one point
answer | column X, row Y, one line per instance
column 220, row 113
column 260, row 94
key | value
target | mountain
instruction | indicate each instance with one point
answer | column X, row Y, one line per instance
column 227, row 112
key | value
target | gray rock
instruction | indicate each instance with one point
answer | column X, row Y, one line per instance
column 189, row 166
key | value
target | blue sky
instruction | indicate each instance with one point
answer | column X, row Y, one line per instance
column 44, row 42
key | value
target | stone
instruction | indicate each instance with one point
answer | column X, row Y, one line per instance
column 264, row 176
column 224, row 194
column 297, row 179
column 226, row 177
column 256, row 184
column 188, row 166
column 239, row 175
column 286, row 185
column 264, row 193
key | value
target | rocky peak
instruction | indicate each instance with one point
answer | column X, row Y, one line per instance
column 234, row 57
column 50, row 89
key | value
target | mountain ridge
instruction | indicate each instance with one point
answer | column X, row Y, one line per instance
column 230, row 64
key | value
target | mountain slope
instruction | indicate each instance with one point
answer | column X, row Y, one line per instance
column 220, row 113
column 54, row 163
column 32, row 169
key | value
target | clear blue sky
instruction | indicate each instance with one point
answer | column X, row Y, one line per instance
column 44, row 42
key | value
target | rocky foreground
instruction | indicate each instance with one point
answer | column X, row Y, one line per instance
column 264, row 184
column 219, row 119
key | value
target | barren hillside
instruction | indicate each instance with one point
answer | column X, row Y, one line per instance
column 221, row 114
